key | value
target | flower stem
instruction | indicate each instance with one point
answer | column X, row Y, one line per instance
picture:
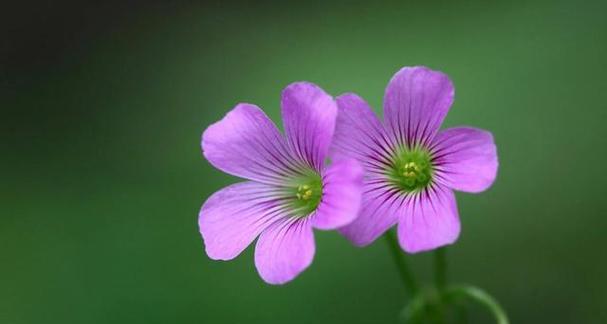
column 440, row 278
column 440, row 268
column 401, row 263
column 481, row 297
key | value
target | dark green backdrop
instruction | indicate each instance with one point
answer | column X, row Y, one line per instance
column 102, row 176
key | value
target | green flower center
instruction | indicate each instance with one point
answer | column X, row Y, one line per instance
column 306, row 194
column 411, row 169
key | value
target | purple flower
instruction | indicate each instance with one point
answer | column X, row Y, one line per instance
column 412, row 168
column 290, row 190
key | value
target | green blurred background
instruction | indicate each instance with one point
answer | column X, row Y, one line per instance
column 101, row 176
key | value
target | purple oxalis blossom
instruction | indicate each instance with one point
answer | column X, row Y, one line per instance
column 290, row 190
column 412, row 168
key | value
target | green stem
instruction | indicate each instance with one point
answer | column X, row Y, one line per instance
column 414, row 310
column 462, row 314
column 479, row 296
column 440, row 268
column 440, row 278
column 401, row 263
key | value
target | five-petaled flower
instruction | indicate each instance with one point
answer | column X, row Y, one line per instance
column 412, row 168
column 290, row 191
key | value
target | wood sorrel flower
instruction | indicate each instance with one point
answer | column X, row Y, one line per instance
column 412, row 168
column 290, row 192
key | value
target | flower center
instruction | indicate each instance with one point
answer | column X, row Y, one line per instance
column 411, row 170
column 307, row 193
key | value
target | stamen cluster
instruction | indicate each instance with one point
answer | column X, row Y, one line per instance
column 411, row 169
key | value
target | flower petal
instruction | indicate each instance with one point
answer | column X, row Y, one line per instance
column 359, row 134
column 284, row 250
column 430, row 221
column 308, row 115
column 342, row 189
column 417, row 100
column 233, row 217
column 247, row 144
column 380, row 210
column 465, row 159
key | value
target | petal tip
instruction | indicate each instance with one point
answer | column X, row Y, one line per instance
column 469, row 156
column 421, row 245
column 283, row 251
column 304, row 87
column 348, row 96
column 414, row 249
column 356, row 239
column 350, row 100
column 426, row 74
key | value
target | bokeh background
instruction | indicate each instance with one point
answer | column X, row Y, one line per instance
column 101, row 176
